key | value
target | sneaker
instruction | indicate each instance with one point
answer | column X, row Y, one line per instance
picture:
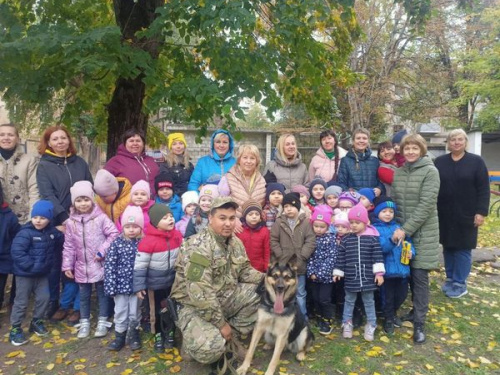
column 38, row 327
column 398, row 323
column 158, row 345
column 457, row 291
column 447, row 286
column 169, row 341
column 16, row 336
column 369, row 332
column 74, row 318
column 325, row 327
column 59, row 315
column 102, row 327
column 347, row 330
column 408, row 317
column 389, row 326
column 83, row 329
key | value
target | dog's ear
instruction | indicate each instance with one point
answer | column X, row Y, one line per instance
column 260, row 286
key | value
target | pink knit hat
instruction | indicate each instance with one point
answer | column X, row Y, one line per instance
column 323, row 213
column 301, row 189
column 81, row 189
column 358, row 212
column 105, row 184
column 209, row 190
column 141, row 185
column 133, row 215
column 341, row 218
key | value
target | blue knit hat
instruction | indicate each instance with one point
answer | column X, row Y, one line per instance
column 272, row 187
column 398, row 137
column 382, row 203
column 367, row 193
column 43, row 208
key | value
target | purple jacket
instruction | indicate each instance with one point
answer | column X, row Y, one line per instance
column 181, row 225
column 86, row 235
column 133, row 167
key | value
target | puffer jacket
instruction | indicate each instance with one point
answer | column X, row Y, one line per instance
column 175, row 206
column 115, row 209
column 155, row 259
column 33, row 250
column 20, row 189
column 415, row 191
column 234, row 184
column 55, row 176
column 180, row 174
column 86, row 235
column 391, row 250
column 257, row 245
column 288, row 173
column 119, row 266
column 323, row 167
column 359, row 171
column 182, row 224
column 212, row 166
column 322, row 262
column 287, row 242
column 133, row 167
column 9, row 226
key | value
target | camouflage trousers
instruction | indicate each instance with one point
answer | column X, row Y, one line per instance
column 202, row 340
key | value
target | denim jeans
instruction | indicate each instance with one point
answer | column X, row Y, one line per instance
column 302, row 294
column 70, row 295
column 368, row 302
column 102, row 299
column 457, row 264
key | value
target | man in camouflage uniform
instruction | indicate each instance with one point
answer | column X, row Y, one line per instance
column 214, row 286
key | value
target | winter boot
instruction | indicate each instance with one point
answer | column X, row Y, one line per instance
column 134, row 336
column 418, row 333
column 119, row 342
column 158, row 345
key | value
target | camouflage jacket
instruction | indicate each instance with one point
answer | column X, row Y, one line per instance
column 208, row 270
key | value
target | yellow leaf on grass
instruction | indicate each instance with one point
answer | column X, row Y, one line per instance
column 347, row 360
column 457, row 314
column 491, row 346
column 175, row 369
column 47, row 345
column 372, row 353
column 81, row 373
column 82, row 360
column 353, row 373
column 398, row 367
column 484, row 361
column 178, row 359
column 456, row 336
column 50, row 366
column 474, row 323
column 79, row 367
column 112, row 364
column 398, row 354
column 126, row 372
column 11, row 362
column 385, row 339
column 55, row 332
column 472, row 364
column 130, row 360
column 166, row 356
column 17, row 353
column 282, row 369
column 429, row 367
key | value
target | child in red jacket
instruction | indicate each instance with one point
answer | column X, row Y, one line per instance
column 255, row 235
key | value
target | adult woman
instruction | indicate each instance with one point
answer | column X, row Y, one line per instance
column 287, row 165
column 358, row 169
column 131, row 161
column 325, row 163
column 415, row 190
column 177, row 163
column 244, row 180
column 17, row 173
column 58, row 170
column 210, row 168
column 463, row 202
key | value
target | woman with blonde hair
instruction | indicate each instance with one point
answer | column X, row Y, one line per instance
column 177, row 163
column 287, row 165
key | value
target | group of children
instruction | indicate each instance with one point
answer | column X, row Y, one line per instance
column 124, row 244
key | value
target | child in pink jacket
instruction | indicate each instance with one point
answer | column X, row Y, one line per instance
column 140, row 196
column 89, row 232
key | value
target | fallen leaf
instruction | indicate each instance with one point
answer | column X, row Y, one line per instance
column 126, row 372
column 484, row 361
column 385, row 339
column 429, row 367
column 17, row 353
column 175, row 369
column 50, row 366
column 79, row 367
column 11, row 362
column 112, row 364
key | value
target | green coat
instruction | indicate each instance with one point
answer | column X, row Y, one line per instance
column 415, row 190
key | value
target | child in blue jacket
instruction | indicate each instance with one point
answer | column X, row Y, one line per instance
column 396, row 272
column 164, row 186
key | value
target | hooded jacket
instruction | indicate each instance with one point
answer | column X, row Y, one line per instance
column 415, row 191
column 33, row 250
column 322, row 166
column 86, row 235
column 212, row 166
column 181, row 176
column 114, row 210
column 55, row 176
column 257, row 245
column 133, row 167
column 175, row 206
column 20, row 188
column 9, row 226
column 359, row 170
column 288, row 173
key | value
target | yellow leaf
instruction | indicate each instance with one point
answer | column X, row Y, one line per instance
column 178, row 359
column 429, row 367
column 353, row 373
column 376, row 373
column 474, row 323
column 282, row 369
column 457, row 314
column 472, row 364
column 456, row 336
column 11, row 362
column 175, row 369
column 126, row 372
column 398, row 367
column 491, row 346
column 347, row 360
column 47, row 345
column 55, row 332
column 397, row 354
column 82, row 360
column 130, row 360
column 484, row 361
column 166, row 356
column 17, row 353
column 50, row 366
column 372, row 353
column 112, row 364
column 385, row 339
column 79, row 367
column 81, row 373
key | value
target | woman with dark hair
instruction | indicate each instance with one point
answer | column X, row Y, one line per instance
column 388, row 164
column 177, row 163
column 131, row 160
column 58, row 170
column 325, row 164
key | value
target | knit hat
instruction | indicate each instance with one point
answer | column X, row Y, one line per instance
column 43, row 208
column 133, row 215
column 350, row 196
column 273, row 186
column 333, row 190
column 293, row 199
column 189, row 197
column 367, row 193
column 322, row 213
column 105, row 184
column 316, row 181
column 249, row 206
column 209, row 190
column 81, row 189
column 358, row 212
column 156, row 212
column 340, row 218
column 301, row 189
column 175, row 137
column 141, row 185
column 382, row 203
column 398, row 137
column 163, row 180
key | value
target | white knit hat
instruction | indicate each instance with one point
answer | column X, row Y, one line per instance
column 189, row 197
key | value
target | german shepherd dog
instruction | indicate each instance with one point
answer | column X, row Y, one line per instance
column 279, row 318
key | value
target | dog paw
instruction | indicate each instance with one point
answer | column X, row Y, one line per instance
column 242, row 370
column 301, row 356
column 267, row 347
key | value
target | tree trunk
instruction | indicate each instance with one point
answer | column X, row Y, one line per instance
column 125, row 109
